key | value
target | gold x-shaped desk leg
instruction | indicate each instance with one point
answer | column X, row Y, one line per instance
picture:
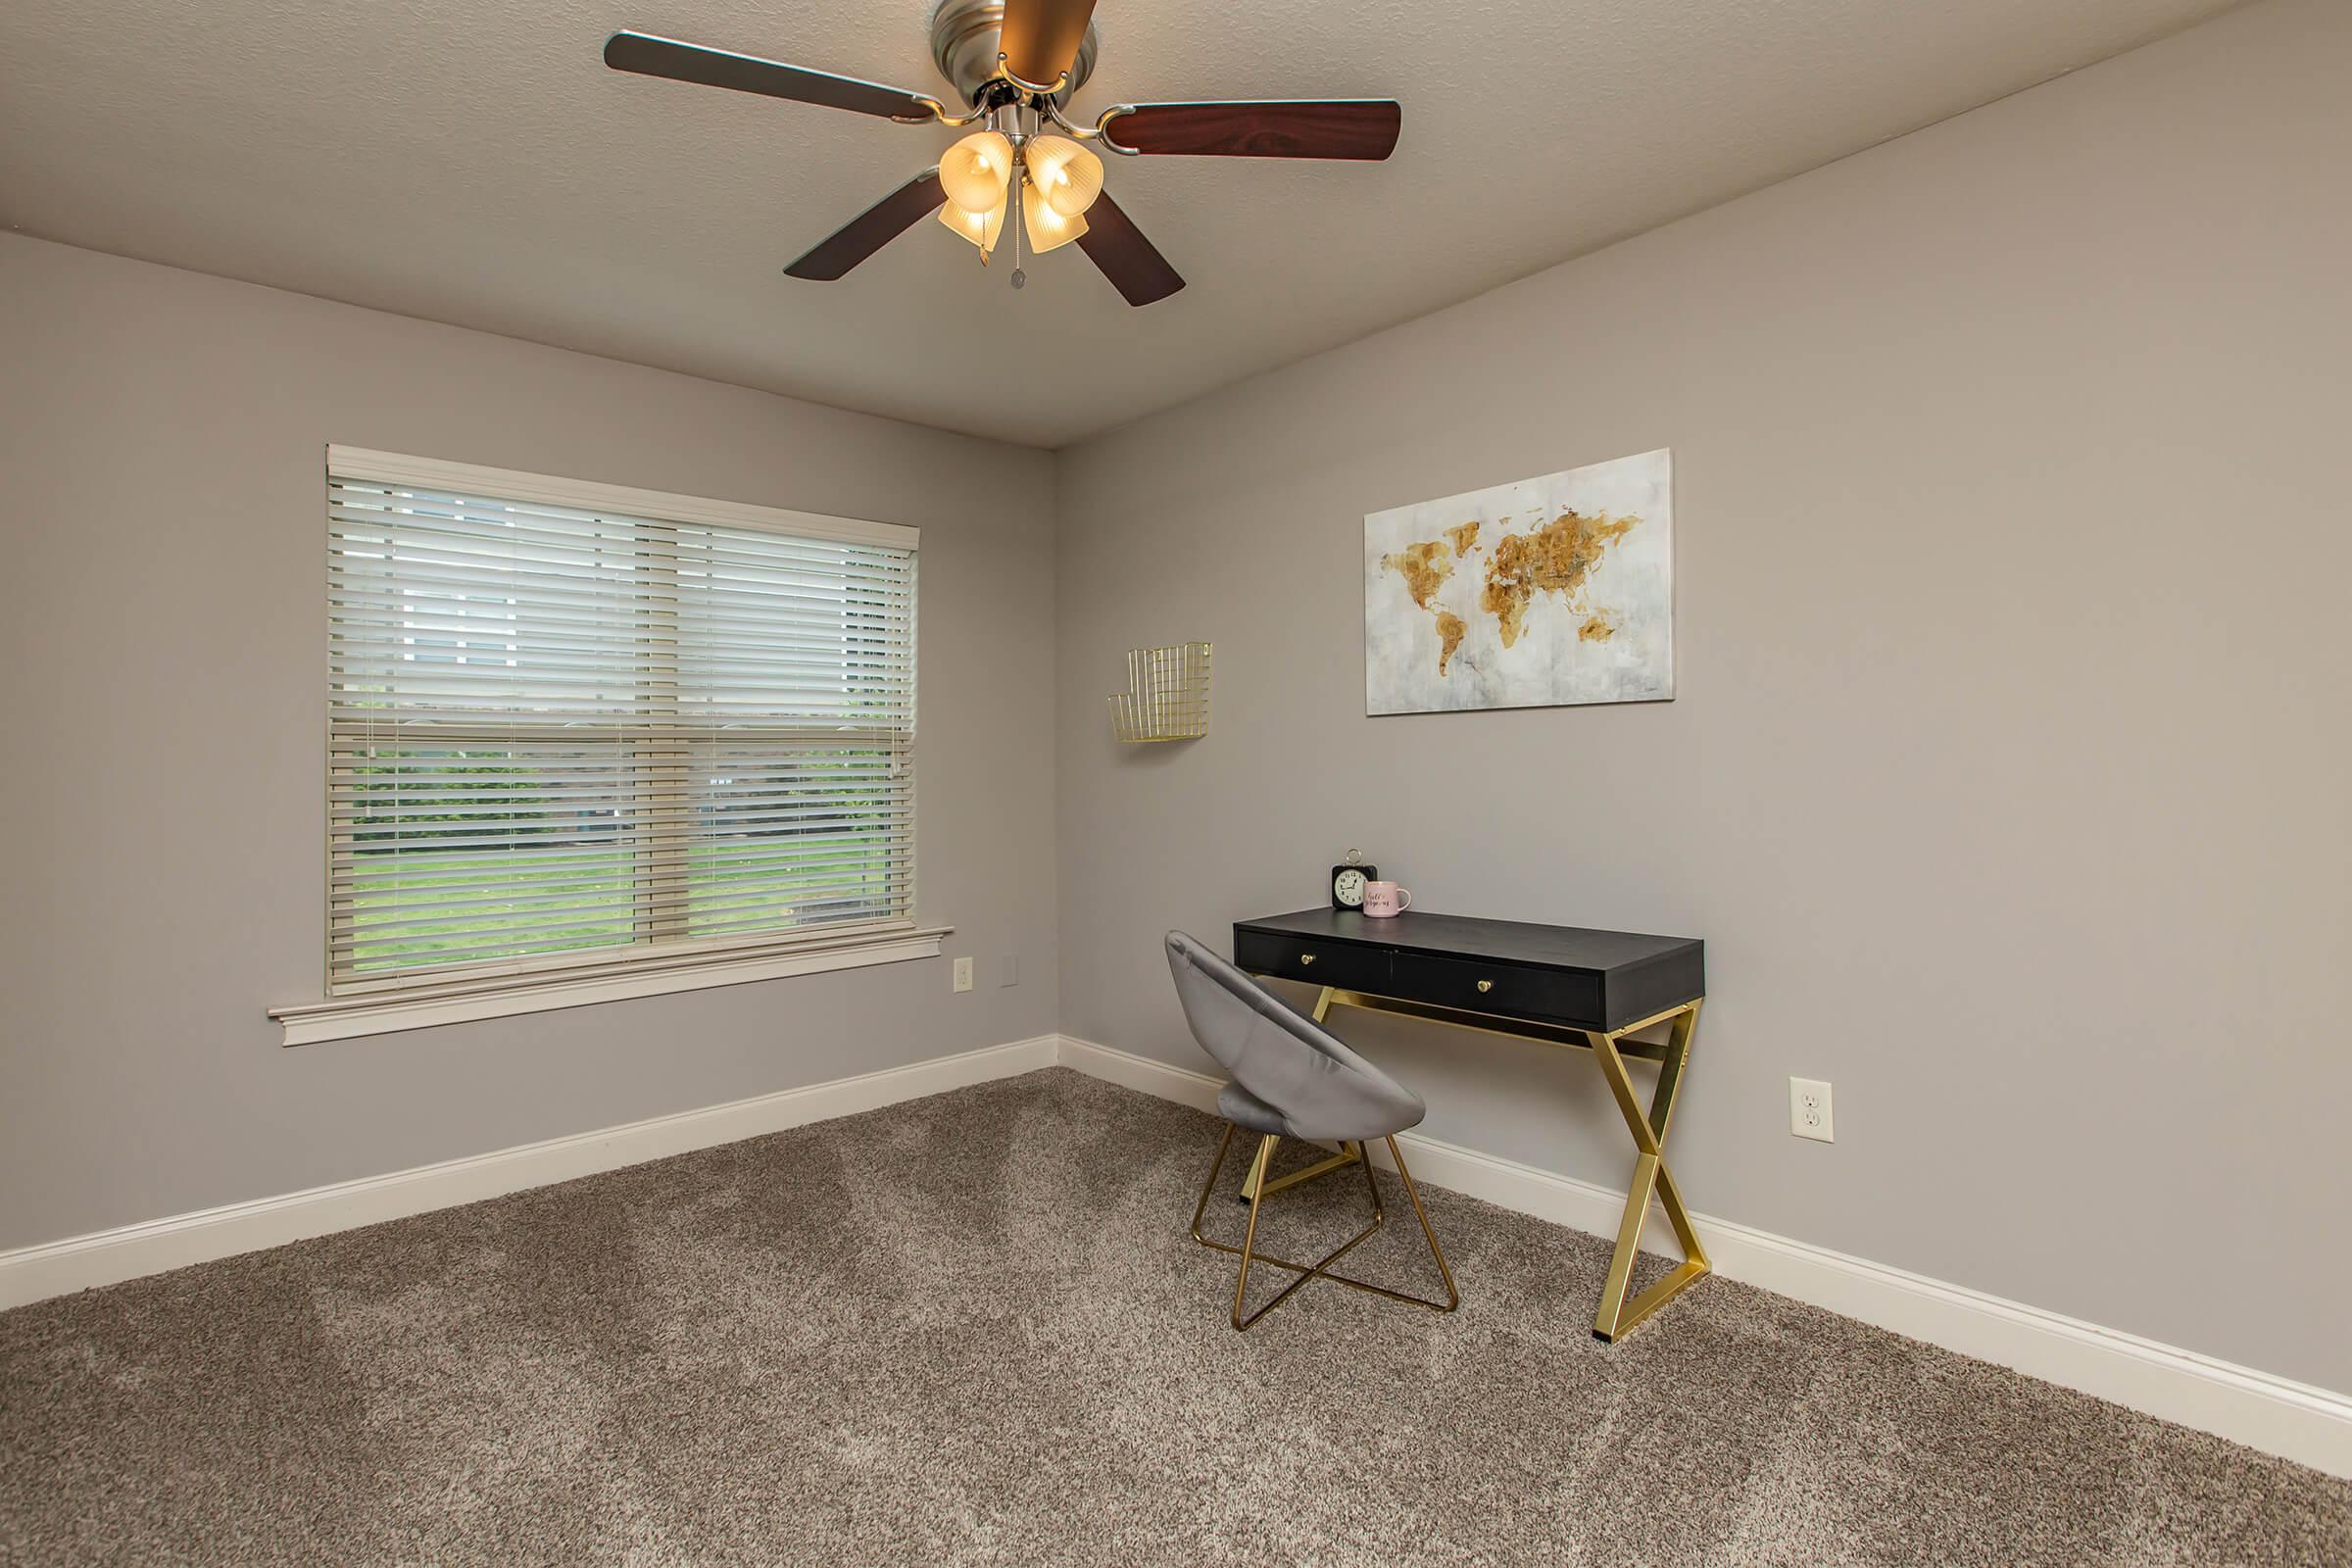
column 1650, row 1175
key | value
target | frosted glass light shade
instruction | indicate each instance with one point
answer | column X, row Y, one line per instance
column 975, row 171
column 981, row 228
column 1066, row 174
column 1048, row 229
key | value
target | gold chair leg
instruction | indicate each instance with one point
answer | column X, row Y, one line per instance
column 1266, row 1150
column 1350, row 1152
column 1321, row 1269
column 1453, row 1297
column 1211, row 1185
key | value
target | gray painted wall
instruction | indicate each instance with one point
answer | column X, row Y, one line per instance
column 163, row 699
column 2007, row 780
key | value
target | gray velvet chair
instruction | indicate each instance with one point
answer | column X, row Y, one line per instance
column 1292, row 1078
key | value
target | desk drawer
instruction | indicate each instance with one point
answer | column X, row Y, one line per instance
column 1318, row 963
column 1554, row 995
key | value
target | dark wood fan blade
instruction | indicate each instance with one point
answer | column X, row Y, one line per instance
column 649, row 56
column 871, row 230
column 1041, row 37
column 1132, row 262
column 1352, row 127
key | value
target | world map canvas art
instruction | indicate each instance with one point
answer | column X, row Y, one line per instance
column 1540, row 594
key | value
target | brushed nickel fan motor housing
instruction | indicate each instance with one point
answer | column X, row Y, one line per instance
column 964, row 40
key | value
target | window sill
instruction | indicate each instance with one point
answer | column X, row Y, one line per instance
column 347, row 1017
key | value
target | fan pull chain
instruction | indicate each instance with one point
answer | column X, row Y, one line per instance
column 1020, row 177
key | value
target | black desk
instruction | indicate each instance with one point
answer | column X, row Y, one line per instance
column 1559, row 985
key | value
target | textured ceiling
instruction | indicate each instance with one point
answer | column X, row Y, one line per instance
column 473, row 161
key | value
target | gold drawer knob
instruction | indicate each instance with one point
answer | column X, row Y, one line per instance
column 1306, row 958
column 1486, row 985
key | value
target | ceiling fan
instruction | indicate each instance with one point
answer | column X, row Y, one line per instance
column 1013, row 65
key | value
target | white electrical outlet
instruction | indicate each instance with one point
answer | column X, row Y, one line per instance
column 1809, row 1111
column 963, row 974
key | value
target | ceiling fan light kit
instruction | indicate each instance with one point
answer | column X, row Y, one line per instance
column 1013, row 64
column 981, row 228
column 1046, row 228
column 977, row 170
column 1066, row 175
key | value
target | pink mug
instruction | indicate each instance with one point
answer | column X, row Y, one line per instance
column 1385, row 899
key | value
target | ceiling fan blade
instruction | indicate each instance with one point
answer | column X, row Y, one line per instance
column 1041, row 37
column 1349, row 127
column 649, row 56
column 1132, row 262
column 871, row 230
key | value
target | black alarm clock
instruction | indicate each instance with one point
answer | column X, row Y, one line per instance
column 1347, row 882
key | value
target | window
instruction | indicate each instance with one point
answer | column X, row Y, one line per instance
column 573, row 726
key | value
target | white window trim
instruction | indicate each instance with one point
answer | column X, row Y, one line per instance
column 546, row 489
column 463, row 999
column 309, row 1023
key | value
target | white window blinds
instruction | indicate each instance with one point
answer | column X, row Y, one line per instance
column 568, row 734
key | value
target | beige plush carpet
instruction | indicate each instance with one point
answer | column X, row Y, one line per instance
column 972, row 1329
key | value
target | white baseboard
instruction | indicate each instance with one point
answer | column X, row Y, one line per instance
column 2297, row 1421
column 53, row 1268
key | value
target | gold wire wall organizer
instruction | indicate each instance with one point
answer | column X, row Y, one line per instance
column 1166, row 697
